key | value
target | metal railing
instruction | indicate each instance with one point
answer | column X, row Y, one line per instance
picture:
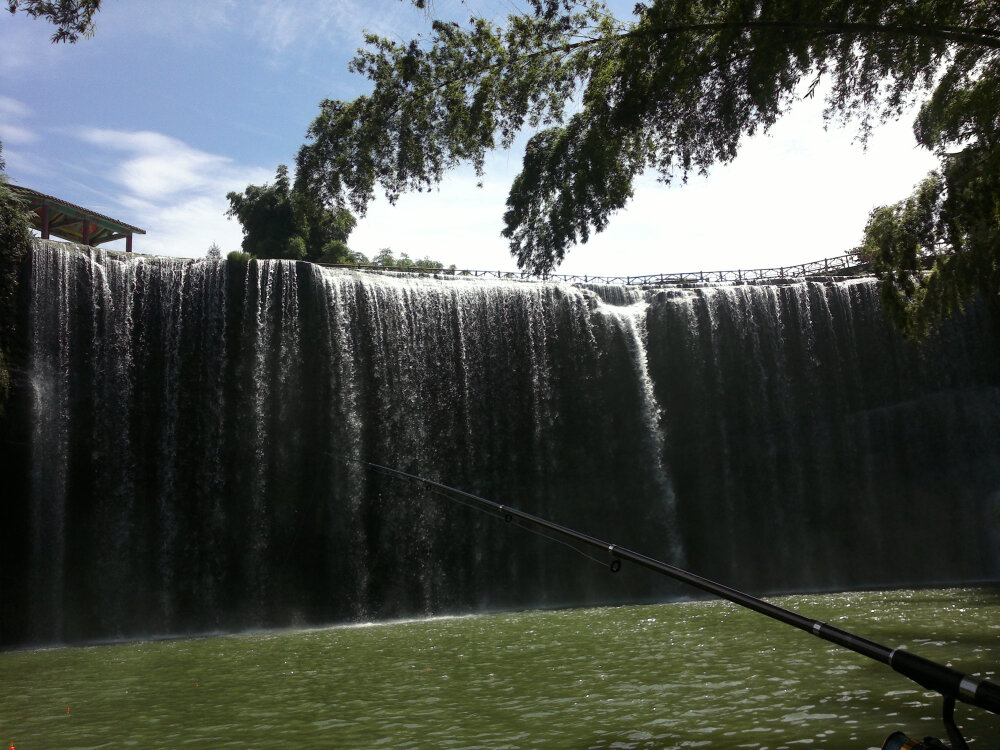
column 850, row 264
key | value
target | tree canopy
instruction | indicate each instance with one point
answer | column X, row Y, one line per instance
column 387, row 259
column 279, row 222
column 15, row 243
column 941, row 246
column 72, row 18
column 675, row 90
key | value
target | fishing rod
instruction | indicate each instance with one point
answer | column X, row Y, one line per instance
column 951, row 684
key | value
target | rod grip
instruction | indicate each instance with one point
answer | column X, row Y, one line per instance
column 946, row 680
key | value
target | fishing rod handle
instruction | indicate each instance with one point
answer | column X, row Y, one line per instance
column 927, row 673
column 947, row 681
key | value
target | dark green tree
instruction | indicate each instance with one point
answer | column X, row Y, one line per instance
column 674, row 90
column 268, row 221
column 940, row 247
column 326, row 231
column 386, row 259
column 281, row 222
column 15, row 243
column 72, row 18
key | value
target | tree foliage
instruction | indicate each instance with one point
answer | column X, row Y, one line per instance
column 15, row 243
column 279, row 222
column 387, row 259
column 72, row 18
column 675, row 90
column 940, row 247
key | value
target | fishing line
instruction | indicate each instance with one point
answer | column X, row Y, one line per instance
column 517, row 522
column 456, row 498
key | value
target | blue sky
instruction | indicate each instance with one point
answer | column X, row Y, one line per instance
column 173, row 103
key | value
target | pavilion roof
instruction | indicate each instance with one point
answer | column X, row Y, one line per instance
column 66, row 219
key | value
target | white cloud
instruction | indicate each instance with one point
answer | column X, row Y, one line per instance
column 186, row 228
column 12, row 108
column 797, row 195
column 175, row 192
column 159, row 166
column 279, row 27
column 459, row 224
column 12, row 127
column 301, row 28
column 188, row 22
column 10, row 133
column 24, row 43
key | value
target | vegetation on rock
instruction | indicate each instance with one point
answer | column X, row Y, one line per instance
column 15, row 243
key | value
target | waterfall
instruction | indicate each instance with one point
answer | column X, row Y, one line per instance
column 195, row 428
column 803, row 426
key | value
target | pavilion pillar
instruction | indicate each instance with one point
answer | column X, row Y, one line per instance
column 86, row 232
column 128, row 242
column 45, row 221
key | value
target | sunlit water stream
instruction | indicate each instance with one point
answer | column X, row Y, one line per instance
column 690, row 674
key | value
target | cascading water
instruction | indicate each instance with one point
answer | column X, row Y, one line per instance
column 802, row 426
column 194, row 427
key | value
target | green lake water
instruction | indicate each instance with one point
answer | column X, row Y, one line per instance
column 689, row 674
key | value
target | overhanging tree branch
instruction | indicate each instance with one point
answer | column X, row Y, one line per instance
column 964, row 36
column 676, row 92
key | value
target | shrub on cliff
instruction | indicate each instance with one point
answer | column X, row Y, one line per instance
column 15, row 242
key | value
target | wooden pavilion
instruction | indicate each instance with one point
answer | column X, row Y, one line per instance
column 54, row 217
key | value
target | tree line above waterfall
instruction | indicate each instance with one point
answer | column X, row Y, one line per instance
column 282, row 221
column 674, row 89
column 279, row 222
